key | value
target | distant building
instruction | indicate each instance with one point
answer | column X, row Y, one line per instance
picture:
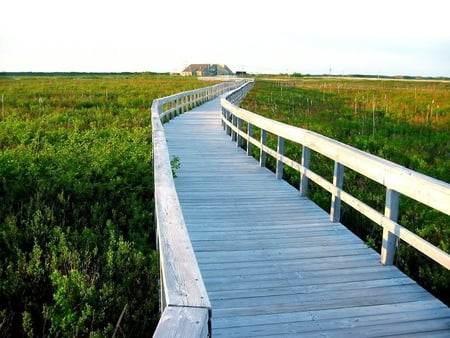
column 206, row 70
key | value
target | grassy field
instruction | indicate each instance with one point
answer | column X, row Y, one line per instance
column 407, row 122
column 76, row 204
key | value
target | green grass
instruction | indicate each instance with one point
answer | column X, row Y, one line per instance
column 76, row 204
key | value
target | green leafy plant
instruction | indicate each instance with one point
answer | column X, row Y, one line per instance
column 175, row 164
column 76, row 196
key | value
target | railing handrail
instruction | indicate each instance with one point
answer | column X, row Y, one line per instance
column 397, row 179
column 185, row 305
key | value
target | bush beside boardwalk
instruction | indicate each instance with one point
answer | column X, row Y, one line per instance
column 76, row 194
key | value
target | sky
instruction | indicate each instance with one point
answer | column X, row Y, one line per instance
column 382, row 37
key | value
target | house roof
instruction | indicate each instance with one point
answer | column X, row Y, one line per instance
column 220, row 69
column 196, row 67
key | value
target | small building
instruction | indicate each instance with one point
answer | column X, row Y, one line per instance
column 206, row 70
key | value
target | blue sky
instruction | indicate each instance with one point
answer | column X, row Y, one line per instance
column 345, row 37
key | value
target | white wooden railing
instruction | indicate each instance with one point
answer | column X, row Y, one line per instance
column 185, row 306
column 239, row 123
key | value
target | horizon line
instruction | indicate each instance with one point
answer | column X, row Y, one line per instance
column 293, row 74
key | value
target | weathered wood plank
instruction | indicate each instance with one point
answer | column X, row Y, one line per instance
column 252, row 282
column 280, row 254
column 183, row 322
column 318, row 305
column 332, row 288
column 382, row 325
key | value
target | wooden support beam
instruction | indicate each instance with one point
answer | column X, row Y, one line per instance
column 389, row 242
column 306, row 157
column 262, row 153
column 338, row 182
column 280, row 152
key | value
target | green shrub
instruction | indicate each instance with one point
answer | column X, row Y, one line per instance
column 76, row 205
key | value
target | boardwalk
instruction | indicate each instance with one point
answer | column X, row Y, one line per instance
column 272, row 262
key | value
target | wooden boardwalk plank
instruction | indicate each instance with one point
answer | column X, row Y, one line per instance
column 272, row 262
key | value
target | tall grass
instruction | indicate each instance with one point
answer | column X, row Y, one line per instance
column 76, row 204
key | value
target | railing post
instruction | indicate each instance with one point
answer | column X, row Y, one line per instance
column 249, row 143
column 262, row 154
column 280, row 151
column 234, row 123
column 239, row 128
column 223, row 116
column 338, row 181
column 306, row 157
column 389, row 242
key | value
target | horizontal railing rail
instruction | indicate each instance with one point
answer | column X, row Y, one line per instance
column 184, row 302
column 397, row 180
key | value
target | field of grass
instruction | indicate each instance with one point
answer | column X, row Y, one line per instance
column 407, row 122
column 76, row 204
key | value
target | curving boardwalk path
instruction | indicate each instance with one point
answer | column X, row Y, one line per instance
column 272, row 262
